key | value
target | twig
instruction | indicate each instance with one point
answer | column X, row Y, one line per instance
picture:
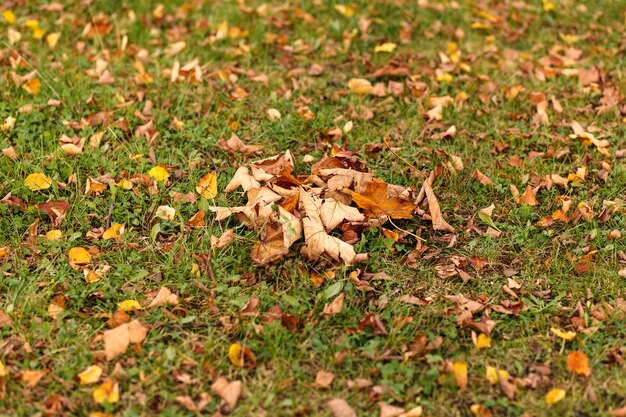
column 403, row 160
column 110, row 213
column 406, row 231
column 209, row 267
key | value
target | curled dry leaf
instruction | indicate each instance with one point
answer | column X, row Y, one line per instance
column 435, row 212
column 90, row 375
column 164, row 298
column 220, row 242
column 108, row 391
column 340, row 408
column 227, row 391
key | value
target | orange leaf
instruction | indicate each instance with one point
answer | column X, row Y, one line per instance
column 376, row 202
column 577, row 362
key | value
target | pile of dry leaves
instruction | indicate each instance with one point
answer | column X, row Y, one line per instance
column 329, row 207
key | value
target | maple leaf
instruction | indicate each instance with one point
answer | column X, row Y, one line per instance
column 332, row 213
column 376, row 202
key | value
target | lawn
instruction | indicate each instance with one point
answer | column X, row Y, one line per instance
column 487, row 278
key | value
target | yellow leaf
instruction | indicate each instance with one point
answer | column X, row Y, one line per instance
column 492, row 375
column 109, row 392
column 483, row 341
column 90, row 375
column 360, row 86
column 114, row 232
column 8, row 16
column 460, row 374
column 159, row 173
column 79, row 256
column 54, row 235
column 38, row 33
column 38, row 181
column 3, row 370
column 99, row 414
column 129, row 305
column 52, row 39
column 555, row 395
column 207, row 186
column 125, row 184
column 344, row 9
column 548, row 6
column 234, row 354
column 386, row 47
column 32, row 24
column 90, row 276
column 166, row 213
column 33, row 87
column 568, row 336
column 4, row 251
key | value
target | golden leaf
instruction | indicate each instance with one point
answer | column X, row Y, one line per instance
column 114, row 232
column 54, row 234
column 360, row 86
column 483, row 341
column 108, row 391
column 568, row 336
column 79, row 256
column 555, row 395
column 159, row 173
column 129, row 305
column 90, row 375
column 38, row 181
column 459, row 369
column 207, row 186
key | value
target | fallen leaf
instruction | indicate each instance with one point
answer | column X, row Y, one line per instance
column 108, row 391
column 207, row 186
column 227, row 391
column 129, row 305
column 360, row 86
column 340, row 408
column 439, row 222
column 388, row 410
column 114, row 232
column 333, row 213
column 323, row 379
column 578, row 363
column 567, row 336
column 335, row 306
column 528, row 197
column 376, row 202
column 117, row 340
column 459, row 370
column 166, row 213
column 554, row 396
column 159, row 173
column 164, row 298
column 90, row 375
column 224, row 240
column 483, row 342
column 32, row 378
column 38, row 181
column 79, row 256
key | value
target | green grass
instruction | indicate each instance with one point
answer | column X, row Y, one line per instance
column 187, row 346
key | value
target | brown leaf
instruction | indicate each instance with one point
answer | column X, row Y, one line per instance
column 234, row 145
column 528, row 197
column 340, row 408
column 227, row 391
column 227, row 237
column 323, row 379
column 164, row 298
column 482, row 178
column 376, row 202
column 435, row 212
column 56, row 210
column 117, row 340
column 335, row 306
